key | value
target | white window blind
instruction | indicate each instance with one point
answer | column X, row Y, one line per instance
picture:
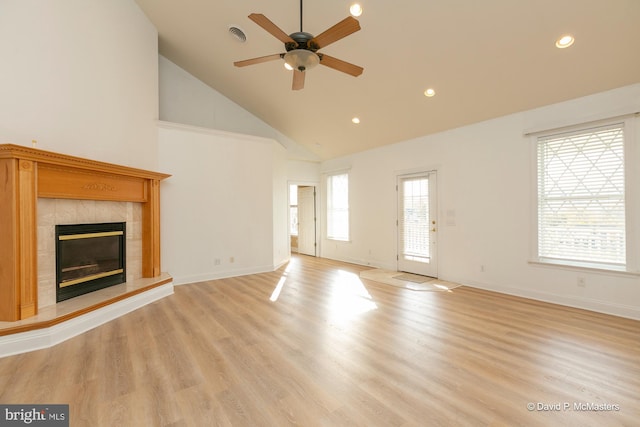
column 414, row 220
column 338, row 207
column 581, row 196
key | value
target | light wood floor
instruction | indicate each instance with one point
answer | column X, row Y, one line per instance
column 333, row 350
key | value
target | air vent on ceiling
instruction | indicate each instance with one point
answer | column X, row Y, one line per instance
column 238, row 34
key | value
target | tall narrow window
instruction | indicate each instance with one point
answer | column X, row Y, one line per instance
column 581, row 197
column 293, row 210
column 338, row 207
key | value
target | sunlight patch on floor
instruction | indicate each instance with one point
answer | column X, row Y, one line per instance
column 276, row 292
column 349, row 298
column 278, row 289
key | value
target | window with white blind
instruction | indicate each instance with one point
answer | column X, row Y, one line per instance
column 581, row 197
column 338, row 207
column 414, row 218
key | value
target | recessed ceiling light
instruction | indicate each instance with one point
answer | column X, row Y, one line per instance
column 355, row 120
column 429, row 92
column 564, row 41
column 355, row 9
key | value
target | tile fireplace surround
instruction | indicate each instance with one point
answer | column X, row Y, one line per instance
column 37, row 187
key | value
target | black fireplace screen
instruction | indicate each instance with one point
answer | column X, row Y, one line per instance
column 89, row 257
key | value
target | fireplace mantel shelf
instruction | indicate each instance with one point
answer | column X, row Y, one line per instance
column 13, row 151
column 27, row 174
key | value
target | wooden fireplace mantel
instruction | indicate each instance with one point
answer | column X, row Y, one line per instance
column 28, row 173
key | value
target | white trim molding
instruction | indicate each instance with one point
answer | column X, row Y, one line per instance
column 24, row 342
column 574, row 301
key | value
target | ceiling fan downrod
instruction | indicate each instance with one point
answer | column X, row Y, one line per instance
column 300, row 15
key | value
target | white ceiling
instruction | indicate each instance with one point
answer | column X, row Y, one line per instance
column 485, row 59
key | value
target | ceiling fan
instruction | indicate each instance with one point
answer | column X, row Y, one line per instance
column 302, row 48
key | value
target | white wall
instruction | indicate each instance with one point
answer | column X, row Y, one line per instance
column 281, row 251
column 485, row 182
column 303, row 171
column 185, row 99
column 224, row 208
column 81, row 78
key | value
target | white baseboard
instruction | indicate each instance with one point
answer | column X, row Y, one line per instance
column 280, row 264
column 365, row 262
column 604, row 307
column 223, row 274
column 43, row 338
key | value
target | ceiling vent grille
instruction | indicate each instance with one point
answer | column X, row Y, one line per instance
column 238, row 34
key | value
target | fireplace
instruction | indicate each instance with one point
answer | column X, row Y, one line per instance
column 89, row 257
column 28, row 175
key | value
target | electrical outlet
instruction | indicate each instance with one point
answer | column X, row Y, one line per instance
column 582, row 282
column 482, row 268
column 232, row 260
column 216, row 261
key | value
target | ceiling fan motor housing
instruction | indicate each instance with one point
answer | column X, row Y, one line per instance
column 301, row 42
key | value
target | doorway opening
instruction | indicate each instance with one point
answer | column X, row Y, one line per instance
column 302, row 219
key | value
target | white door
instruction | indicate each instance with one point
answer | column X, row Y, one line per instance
column 307, row 220
column 417, row 224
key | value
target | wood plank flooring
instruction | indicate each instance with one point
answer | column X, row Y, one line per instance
column 330, row 349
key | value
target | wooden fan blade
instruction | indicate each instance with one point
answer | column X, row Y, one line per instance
column 258, row 60
column 271, row 28
column 342, row 29
column 298, row 80
column 340, row 65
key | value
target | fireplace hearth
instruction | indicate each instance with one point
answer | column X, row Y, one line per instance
column 89, row 257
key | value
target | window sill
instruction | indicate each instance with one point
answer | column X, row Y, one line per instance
column 583, row 266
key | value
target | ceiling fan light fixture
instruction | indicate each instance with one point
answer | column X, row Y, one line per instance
column 301, row 59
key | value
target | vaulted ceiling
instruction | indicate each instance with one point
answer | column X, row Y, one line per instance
column 484, row 59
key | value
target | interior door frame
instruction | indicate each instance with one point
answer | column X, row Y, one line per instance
column 316, row 186
column 434, row 213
